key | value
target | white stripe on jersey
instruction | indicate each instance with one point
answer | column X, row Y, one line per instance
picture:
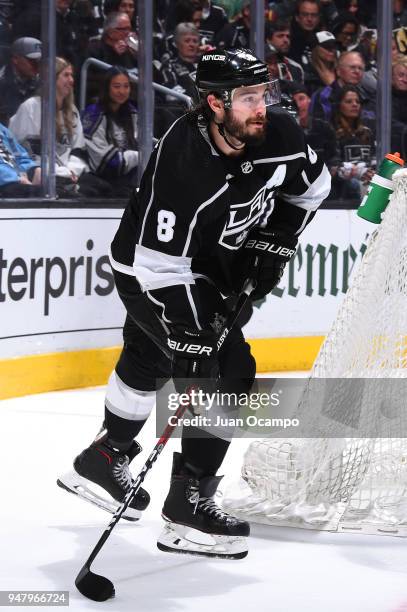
column 269, row 160
column 202, row 206
column 153, row 178
column 193, row 307
column 304, row 223
column 119, row 266
column 162, row 305
column 305, row 179
column 155, row 270
column 313, row 196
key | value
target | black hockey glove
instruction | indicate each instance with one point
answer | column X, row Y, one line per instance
column 264, row 256
column 194, row 355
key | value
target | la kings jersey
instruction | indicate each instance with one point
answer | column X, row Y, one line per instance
column 196, row 206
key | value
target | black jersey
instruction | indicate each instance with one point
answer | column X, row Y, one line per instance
column 196, row 206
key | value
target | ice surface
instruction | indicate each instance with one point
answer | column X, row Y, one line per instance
column 46, row 534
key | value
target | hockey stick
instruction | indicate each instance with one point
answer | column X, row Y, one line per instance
column 96, row 587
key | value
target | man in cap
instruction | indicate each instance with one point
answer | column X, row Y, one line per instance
column 19, row 79
column 225, row 194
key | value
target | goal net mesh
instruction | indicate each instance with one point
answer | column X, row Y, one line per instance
column 348, row 483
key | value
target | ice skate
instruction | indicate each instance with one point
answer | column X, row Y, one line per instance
column 194, row 523
column 102, row 477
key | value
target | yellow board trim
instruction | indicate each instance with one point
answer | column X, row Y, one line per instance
column 72, row 370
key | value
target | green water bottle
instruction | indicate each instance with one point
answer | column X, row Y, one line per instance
column 380, row 189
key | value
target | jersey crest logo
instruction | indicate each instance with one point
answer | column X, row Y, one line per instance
column 246, row 167
column 244, row 215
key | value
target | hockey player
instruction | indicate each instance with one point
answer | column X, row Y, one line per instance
column 225, row 194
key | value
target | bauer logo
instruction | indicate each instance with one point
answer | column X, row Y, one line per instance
column 191, row 349
column 270, row 247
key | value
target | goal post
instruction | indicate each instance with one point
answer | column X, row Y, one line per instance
column 348, row 484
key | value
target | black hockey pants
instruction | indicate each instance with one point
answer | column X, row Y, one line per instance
column 144, row 359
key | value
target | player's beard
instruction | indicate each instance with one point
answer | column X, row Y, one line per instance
column 239, row 129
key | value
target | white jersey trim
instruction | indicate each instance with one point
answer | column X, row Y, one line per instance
column 269, row 160
column 314, row 195
column 162, row 305
column 193, row 307
column 155, row 270
column 194, row 220
column 119, row 266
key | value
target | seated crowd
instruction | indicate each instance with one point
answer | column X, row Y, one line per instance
column 322, row 51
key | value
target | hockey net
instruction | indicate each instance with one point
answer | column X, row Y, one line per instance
column 347, row 484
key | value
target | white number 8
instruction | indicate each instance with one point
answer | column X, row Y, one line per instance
column 166, row 222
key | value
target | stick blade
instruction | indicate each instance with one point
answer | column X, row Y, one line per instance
column 93, row 586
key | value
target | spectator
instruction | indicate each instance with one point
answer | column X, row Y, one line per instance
column 110, row 128
column 399, row 105
column 71, row 167
column 231, row 7
column 399, row 89
column 129, row 7
column 122, row 6
column 114, row 48
column 66, row 25
column 349, row 71
column 278, row 40
column 176, row 73
column 399, row 13
column 321, row 70
column 193, row 11
column 83, row 25
column 20, row 176
column 75, row 24
column 356, row 145
column 285, row 9
column 19, row 79
column 318, row 133
column 346, row 30
column 361, row 10
column 213, row 20
column 184, row 11
column 306, row 22
column 236, row 34
column 329, row 12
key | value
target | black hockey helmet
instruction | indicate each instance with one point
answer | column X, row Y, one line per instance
column 227, row 69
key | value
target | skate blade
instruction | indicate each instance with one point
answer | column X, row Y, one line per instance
column 185, row 540
column 80, row 486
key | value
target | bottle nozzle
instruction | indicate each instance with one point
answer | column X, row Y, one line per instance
column 395, row 157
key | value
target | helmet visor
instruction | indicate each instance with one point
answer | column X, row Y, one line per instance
column 256, row 96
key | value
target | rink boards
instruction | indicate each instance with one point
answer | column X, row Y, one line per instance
column 60, row 323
